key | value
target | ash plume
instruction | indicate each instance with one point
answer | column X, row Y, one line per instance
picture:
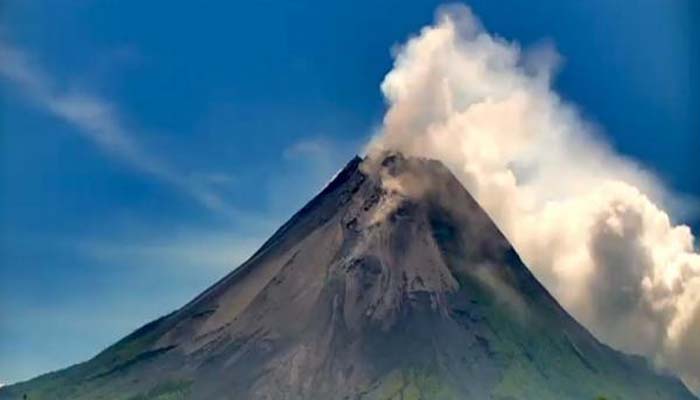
column 588, row 221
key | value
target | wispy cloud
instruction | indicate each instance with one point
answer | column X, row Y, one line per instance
column 98, row 121
column 313, row 148
column 307, row 165
column 201, row 253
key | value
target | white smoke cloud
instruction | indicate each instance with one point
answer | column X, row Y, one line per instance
column 581, row 216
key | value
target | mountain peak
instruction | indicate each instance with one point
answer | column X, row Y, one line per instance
column 391, row 283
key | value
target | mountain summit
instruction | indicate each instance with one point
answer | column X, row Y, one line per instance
column 392, row 283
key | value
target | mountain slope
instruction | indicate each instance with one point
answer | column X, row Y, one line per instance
column 392, row 283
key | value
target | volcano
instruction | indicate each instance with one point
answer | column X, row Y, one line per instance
column 392, row 283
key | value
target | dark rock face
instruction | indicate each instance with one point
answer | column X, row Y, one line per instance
column 392, row 283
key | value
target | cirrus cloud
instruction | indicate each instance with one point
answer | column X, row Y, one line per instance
column 99, row 121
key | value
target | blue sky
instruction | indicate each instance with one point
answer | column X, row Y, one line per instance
column 146, row 148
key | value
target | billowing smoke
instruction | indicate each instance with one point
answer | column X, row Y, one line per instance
column 581, row 216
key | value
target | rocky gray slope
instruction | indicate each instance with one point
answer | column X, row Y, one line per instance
column 392, row 283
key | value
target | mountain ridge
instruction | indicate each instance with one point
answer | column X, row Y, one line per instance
column 391, row 283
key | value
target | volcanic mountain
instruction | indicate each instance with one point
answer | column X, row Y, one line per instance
column 392, row 283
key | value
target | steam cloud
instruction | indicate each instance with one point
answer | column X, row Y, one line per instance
column 581, row 216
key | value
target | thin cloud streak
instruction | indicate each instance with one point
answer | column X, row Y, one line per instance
column 198, row 253
column 98, row 121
